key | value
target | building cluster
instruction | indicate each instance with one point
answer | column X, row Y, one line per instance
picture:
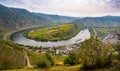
column 61, row 50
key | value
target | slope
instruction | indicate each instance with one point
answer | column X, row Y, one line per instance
column 105, row 21
column 15, row 18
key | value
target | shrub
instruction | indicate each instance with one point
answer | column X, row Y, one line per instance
column 6, row 63
column 44, row 63
column 72, row 59
column 94, row 53
column 117, row 49
column 11, row 55
column 48, row 56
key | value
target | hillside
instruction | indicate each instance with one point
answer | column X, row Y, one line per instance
column 57, row 19
column 105, row 21
column 15, row 18
column 13, row 56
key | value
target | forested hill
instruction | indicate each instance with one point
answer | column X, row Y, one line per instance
column 105, row 21
column 57, row 19
column 14, row 18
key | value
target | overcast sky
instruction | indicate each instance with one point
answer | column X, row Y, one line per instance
column 79, row 8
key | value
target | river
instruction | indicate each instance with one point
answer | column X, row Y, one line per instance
column 80, row 37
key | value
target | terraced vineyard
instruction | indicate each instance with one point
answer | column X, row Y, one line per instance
column 54, row 33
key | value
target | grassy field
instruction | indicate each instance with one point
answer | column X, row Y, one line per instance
column 54, row 33
column 59, row 60
column 115, row 66
column 54, row 68
column 59, row 65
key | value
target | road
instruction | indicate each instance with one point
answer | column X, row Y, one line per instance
column 8, row 34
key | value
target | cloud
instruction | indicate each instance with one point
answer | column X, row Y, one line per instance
column 115, row 4
column 68, row 7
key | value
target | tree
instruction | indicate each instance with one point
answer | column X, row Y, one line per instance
column 6, row 62
column 93, row 53
column 43, row 62
column 117, row 49
column 48, row 56
column 72, row 59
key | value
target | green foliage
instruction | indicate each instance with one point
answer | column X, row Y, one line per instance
column 117, row 49
column 44, row 62
column 54, row 33
column 11, row 55
column 93, row 53
column 59, row 60
column 48, row 56
column 118, row 34
column 6, row 62
column 72, row 59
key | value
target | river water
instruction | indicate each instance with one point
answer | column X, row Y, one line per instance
column 80, row 37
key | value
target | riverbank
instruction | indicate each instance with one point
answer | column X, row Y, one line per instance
column 8, row 35
column 80, row 37
column 53, row 33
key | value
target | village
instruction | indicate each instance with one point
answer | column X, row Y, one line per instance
column 61, row 50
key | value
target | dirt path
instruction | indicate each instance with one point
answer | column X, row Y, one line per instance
column 27, row 59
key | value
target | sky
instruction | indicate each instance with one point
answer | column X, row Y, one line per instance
column 76, row 8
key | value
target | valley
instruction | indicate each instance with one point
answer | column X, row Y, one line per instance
column 21, row 39
column 31, row 41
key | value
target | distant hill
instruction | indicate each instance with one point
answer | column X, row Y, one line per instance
column 14, row 18
column 105, row 21
column 56, row 18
